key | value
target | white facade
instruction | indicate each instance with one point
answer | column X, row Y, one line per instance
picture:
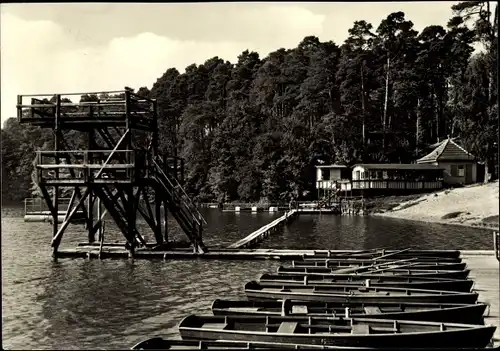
column 333, row 174
column 363, row 178
column 358, row 173
column 328, row 176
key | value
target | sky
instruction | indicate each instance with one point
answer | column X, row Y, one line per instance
column 85, row 47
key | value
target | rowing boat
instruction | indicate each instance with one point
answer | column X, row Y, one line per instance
column 364, row 260
column 357, row 280
column 344, row 293
column 389, row 272
column 347, row 332
column 382, row 253
column 451, row 313
column 340, row 265
column 158, row 343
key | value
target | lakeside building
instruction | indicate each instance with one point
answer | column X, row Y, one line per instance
column 328, row 178
column 383, row 178
column 460, row 166
column 448, row 164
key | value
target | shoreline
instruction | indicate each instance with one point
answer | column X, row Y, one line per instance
column 474, row 206
column 436, row 221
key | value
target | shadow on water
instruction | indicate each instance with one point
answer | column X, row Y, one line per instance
column 113, row 304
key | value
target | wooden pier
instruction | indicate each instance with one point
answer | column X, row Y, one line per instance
column 352, row 206
column 485, row 271
column 85, row 250
column 317, row 210
column 339, row 205
column 119, row 252
column 263, row 232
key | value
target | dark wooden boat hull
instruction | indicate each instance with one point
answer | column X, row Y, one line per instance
column 256, row 291
column 418, row 266
column 398, row 272
column 453, row 336
column 456, row 339
column 164, row 344
column 444, row 285
column 451, row 313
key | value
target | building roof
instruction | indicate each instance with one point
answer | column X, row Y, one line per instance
column 435, row 145
column 331, row 166
column 447, row 150
column 398, row 166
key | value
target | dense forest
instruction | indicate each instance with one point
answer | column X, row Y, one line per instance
column 254, row 130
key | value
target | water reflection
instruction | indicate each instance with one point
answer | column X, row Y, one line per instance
column 310, row 231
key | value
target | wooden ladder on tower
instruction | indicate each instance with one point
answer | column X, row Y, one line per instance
column 180, row 205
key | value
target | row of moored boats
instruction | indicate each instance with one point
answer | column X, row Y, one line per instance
column 365, row 299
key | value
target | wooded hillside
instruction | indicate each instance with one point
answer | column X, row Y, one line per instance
column 254, row 130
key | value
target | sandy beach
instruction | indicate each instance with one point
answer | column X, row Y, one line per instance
column 474, row 205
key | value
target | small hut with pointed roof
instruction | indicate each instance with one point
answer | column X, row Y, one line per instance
column 460, row 166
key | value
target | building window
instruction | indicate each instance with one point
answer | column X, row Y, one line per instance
column 325, row 174
column 457, row 170
column 358, row 175
column 461, row 171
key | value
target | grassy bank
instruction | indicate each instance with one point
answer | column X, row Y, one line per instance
column 476, row 205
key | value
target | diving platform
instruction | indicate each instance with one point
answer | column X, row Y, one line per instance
column 121, row 108
column 110, row 162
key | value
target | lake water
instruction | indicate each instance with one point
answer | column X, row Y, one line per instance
column 113, row 304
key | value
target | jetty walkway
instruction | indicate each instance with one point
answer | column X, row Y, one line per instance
column 263, row 232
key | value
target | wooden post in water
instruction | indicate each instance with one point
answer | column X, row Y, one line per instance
column 90, row 201
column 100, row 229
column 158, row 231
column 131, row 214
column 90, row 220
column 56, row 188
column 165, row 220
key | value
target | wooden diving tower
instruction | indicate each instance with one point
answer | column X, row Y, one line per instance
column 118, row 172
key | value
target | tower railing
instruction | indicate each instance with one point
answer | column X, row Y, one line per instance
column 74, row 166
column 42, row 109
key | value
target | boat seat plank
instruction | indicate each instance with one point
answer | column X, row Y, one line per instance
column 360, row 329
column 246, row 309
column 297, row 309
column 287, row 327
column 372, row 310
column 215, row 326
